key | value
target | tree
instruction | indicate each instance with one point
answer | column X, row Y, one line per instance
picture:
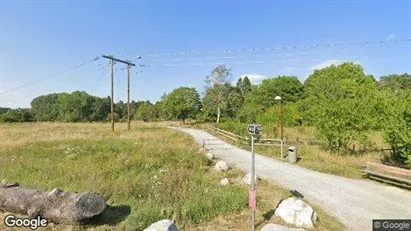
column 340, row 105
column 288, row 87
column 244, row 86
column 45, row 107
column 146, row 112
column 395, row 82
column 101, row 107
column 215, row 88
column 397, row 130
column 182, row 103
column 75, row 107
column 4, row 110
column 17, row 115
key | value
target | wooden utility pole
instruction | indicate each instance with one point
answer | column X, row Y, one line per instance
column 129, row 64
column 128, row 97
column 112, row 95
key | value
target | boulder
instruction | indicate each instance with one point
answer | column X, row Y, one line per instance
column 163, row 225
column 247, row 179
column 224, row 181
column 295, row 211
column 221, row 166
column 210, row 156
column 275, row 227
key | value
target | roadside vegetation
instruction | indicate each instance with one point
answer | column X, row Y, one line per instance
column 311, row 156
column 146, row 174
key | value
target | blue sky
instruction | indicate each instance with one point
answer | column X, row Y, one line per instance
column 41, row 38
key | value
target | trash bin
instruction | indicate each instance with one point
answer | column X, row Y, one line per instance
column 292, row 154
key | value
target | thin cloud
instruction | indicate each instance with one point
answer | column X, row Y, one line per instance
column 326, row 63
column 391, row 37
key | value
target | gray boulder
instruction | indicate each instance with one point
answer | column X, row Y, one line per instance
column 221, row 166
column 295, row 211
column 163, row 225
column 275, row 227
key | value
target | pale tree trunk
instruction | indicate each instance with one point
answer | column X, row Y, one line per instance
column 218, row 115
column 218, row 107
column 55, row 206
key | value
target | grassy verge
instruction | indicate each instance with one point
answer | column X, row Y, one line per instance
column 146, row 174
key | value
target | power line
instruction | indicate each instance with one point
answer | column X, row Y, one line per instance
column 274, row 48
column 51, row 76
column 248, row 56
column 257, row 61
column 98, row 80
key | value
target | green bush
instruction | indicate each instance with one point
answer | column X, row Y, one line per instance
column 397, row 131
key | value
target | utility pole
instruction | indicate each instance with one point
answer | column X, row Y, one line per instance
column 129, row 64
column 112, row 95
column 128, row 97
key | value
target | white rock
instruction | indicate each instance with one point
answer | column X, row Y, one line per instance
column 163, row 225
column 295, row 211
column 210, row 156
column 247, row 179
column 275, row 227
column 224, row 181
column 221, row 165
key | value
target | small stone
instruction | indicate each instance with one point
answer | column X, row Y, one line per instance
column 163, row 225
column 210, row 156
column 225, row 181
column 221, row 166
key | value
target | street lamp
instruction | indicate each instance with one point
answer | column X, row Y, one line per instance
column 282, row 123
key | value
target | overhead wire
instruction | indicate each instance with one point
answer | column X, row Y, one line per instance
column 270, row 48
column 51, row 76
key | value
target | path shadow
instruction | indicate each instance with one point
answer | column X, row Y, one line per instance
column 111, row 216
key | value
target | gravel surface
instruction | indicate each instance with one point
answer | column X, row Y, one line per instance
column 354, row 202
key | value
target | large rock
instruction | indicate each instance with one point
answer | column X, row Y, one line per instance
column 295, row 211
column 163, row 225
column 247, row 179
column 221, row 166
column 225, row 181
column 275, row 227
column 210, row 156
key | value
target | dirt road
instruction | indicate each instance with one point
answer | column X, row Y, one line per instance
column 354, row 202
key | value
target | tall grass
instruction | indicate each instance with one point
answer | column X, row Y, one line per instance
column 146, row 174
column 157, row 172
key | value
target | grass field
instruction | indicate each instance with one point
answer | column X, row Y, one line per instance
column 314, row 157
column 146, row 174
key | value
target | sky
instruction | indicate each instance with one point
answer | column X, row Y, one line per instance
column 42, row 42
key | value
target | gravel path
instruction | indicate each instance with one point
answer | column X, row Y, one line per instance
column 354, row 202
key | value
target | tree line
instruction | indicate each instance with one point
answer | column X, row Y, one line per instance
column 343, row 103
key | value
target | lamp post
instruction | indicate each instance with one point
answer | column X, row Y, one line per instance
column 282, row 123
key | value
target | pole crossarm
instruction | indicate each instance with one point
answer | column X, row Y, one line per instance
column 118, row 60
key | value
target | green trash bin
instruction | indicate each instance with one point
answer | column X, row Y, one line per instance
column 292, row 154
